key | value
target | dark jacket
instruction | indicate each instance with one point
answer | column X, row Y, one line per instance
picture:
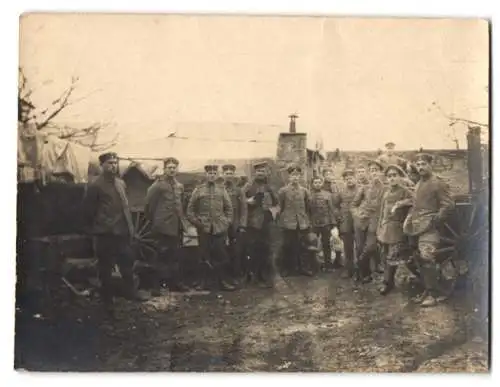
column 347, row 195
column 366, row 205
column 323, row 213
column 105, row 207
column 431, row 199
column 236, row 195
column 390, row 226
column 257, row 215
column 163, row 207
column 331, row 187
column 294, row 202
column 210, row 208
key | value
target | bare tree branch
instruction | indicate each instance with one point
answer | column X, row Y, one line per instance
column 106, row 145
column 453, row 119
column 43, row 118
column 62, row 102
column 470, row 122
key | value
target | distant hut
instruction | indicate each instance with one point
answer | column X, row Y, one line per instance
column 138, row 178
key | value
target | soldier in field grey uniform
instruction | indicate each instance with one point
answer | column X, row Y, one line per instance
column 431, row 206
column 235, row 231
column 109, row 221
column 390, row 158
column 259, row 201
column 365, row 208
column 295, row 212
column 331, row 186
column 165, row 211
column 324, row 217
column 396, row 200
column 211, row 212
column 346, row 224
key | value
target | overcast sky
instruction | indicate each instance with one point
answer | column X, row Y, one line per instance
column 357, row 83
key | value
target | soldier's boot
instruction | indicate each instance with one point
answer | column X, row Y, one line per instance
column 225, row 285
column 223, row 275
column 306, row 270
column 377, row 263
column 356, row 275
column 420, row 297
column 388, row 284
column 199, row 286
column 270, row 283
column 430, row 277
column 364, row 268
column 348, row 271
column 429, row 301
column 180, row 276
column 267, row 280
column 131, row 287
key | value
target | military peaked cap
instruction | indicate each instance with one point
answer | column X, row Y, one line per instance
column 171, row 160
column 107, row 156
column 377, row 163
column 425, row 157
column 294, row 168
column 211, row 168
column 396, row 168
column 260, row 164
column 348, row 172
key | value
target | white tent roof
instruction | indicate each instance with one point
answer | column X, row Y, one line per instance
column 195, row 143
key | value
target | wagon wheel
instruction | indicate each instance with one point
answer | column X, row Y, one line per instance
column 463, row 237
column 144, row 244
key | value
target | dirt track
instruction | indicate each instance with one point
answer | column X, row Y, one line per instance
column 321, row 324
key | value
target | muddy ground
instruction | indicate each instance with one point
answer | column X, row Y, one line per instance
column 320, row 324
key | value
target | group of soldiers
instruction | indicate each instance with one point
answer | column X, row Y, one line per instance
column 387, row 213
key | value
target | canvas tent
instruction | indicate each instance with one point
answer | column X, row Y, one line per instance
column 196, row 144
column 42, row 156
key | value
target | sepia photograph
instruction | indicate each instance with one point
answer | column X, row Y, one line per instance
column 243, row 193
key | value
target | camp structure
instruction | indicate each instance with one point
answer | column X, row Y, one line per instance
column 292, row 150
column 44, row 158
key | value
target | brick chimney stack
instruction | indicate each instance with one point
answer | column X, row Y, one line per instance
column 292, row 128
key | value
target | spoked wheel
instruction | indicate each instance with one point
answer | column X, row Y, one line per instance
column 144, row 244
column 463, row 236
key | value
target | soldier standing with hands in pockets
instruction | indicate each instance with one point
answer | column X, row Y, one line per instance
column 260, row 206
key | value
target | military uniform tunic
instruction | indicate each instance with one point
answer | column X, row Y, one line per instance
column 294, row 201
column 257, row 215
column 164, row 208
column 323, row 213
column 347, row 195
column 390, row 226
column 366, row 205
column 432, row 200
column 236, row 195
column 210, row 208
